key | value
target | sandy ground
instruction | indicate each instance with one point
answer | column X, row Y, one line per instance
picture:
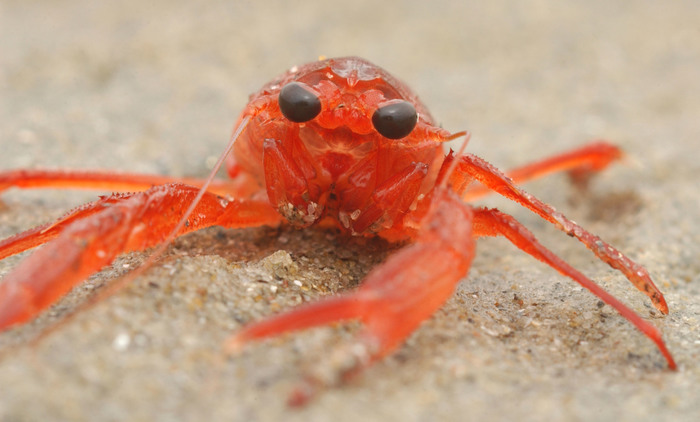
column 156, row 88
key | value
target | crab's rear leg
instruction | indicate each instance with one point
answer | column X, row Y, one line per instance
column 580, row 163
column 128, row 223
column 396, row 296
column 491, row 222
column 114, row 181
column 472, row 167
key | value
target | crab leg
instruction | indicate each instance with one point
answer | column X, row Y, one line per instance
column 473, row 167
column 109, row 181
column 396, row 296
column 39, row 235
column 112, row 226
column 491, row 222
column 580, row 163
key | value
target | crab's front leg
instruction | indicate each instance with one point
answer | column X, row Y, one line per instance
column 491, row 222
column 471, row 167
column 396, row 296
column 94, row 235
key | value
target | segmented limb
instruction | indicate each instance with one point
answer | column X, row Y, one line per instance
column 581, row 163
column 85, row 243
column 112, row 181
column 396, row 296
column 41, row 234
column 471, row 167
column 286, row 176
column 491, row 222
column 390, row 200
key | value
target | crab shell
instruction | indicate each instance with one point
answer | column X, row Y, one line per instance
column 337, row 166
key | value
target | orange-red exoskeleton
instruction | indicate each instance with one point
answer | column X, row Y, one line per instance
column 338, row 141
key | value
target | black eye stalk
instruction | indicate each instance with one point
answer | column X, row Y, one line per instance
column 395, row 120
column 298, row 103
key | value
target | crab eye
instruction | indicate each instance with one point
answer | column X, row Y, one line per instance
column 395, row 120
column 298, row 104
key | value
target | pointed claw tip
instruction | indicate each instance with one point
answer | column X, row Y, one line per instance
column 661, row 305
column 630, row 161
column 667, row 355
column 303, row 393
column 297, row 399
column 671, row 363
column 234, row 345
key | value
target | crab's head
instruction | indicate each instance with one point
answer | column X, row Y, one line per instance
column 330, row 134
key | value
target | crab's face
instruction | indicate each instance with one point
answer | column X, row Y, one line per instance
column 345, row 125
column 347, row 98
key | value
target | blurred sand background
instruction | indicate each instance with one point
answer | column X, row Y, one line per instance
column 156, row 87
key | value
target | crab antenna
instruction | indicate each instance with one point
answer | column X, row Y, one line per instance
column 467, row 136
column 456, row 135
column 127, row 278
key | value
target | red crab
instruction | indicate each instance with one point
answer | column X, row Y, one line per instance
column 339, row 142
